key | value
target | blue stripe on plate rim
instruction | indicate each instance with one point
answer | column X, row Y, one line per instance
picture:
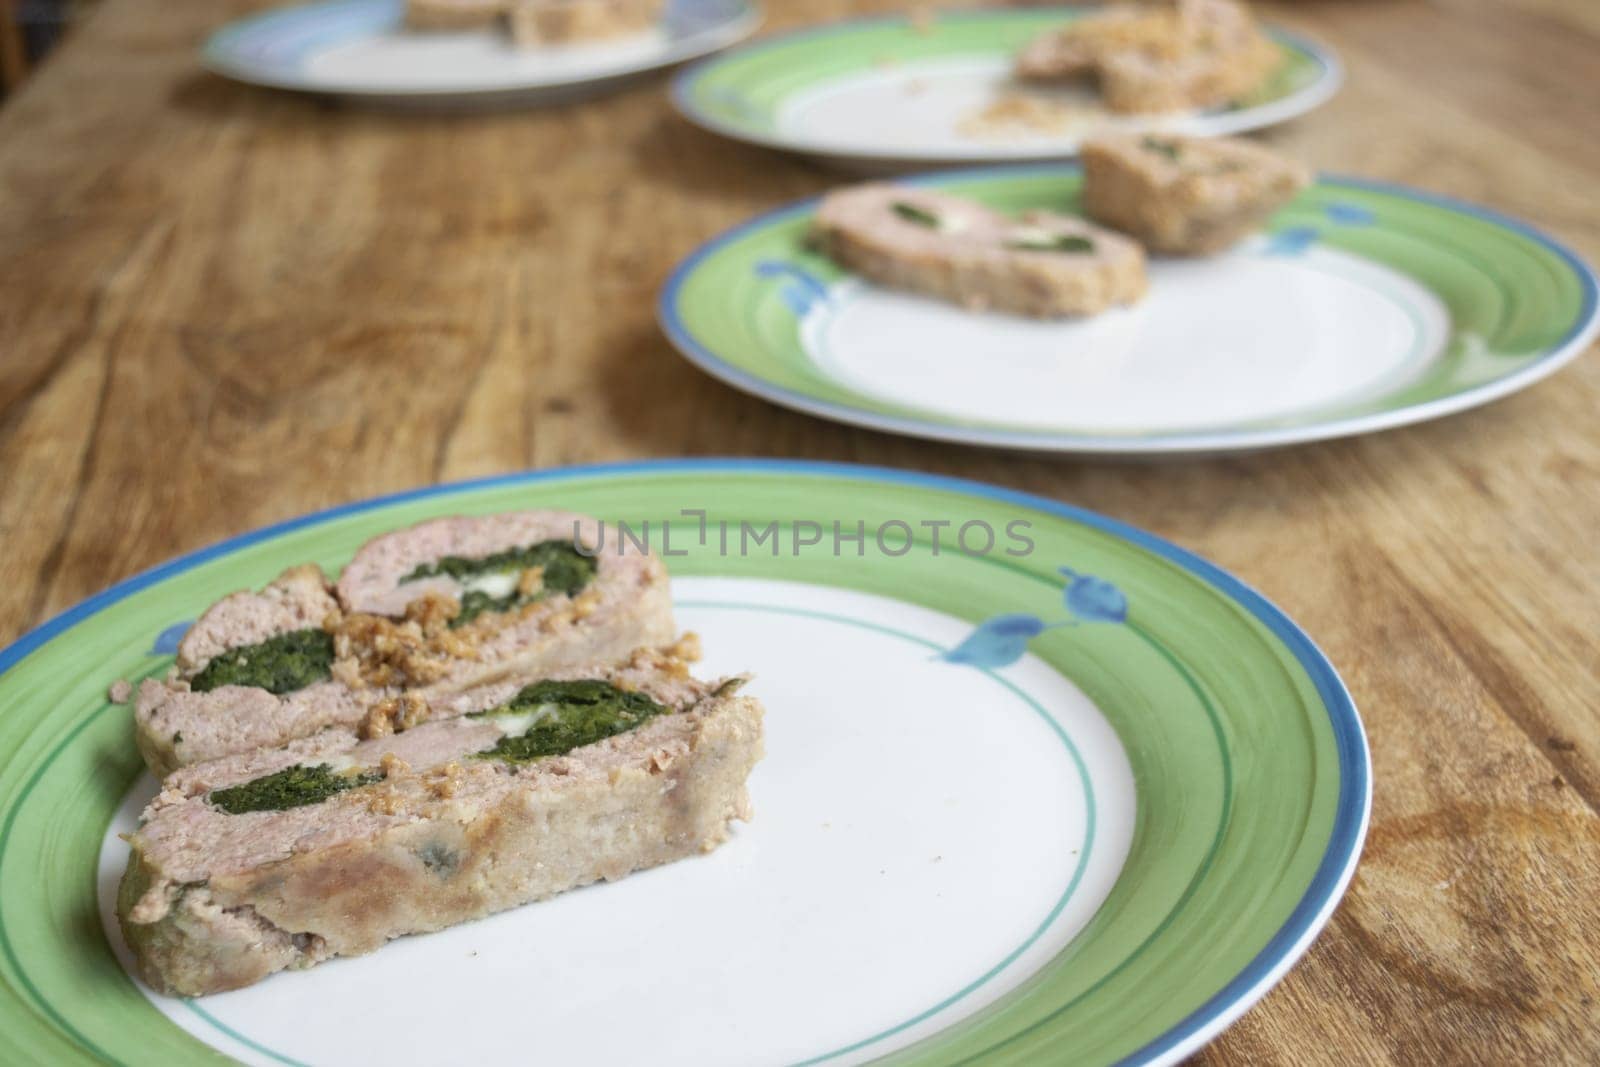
column 1583, row 331
column 1354, row 805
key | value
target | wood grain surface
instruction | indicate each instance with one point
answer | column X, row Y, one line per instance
column 221, row 307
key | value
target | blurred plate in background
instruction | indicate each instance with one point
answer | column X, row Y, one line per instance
column 360, row 49
column 1362, row 306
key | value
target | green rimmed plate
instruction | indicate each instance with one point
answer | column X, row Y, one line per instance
column 891, row 93
column 1362, row 307
column 1070, row 788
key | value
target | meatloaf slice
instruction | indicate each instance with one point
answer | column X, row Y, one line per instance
column 594, row 598
column 1043, row 265
column 528, row 618
column 198, row 712
column 298, row 599
column 545, row 22
column 1186, row 195
column 331, row 846
column 453, row 14
column 1157, row 58
column 1225, row 57
column 1074, row 51
column 393, row 570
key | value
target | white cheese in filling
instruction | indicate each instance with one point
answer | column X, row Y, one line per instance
column 515, row 724
column 496, row 584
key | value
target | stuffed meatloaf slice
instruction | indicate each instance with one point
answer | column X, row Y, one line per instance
column 331, row 846
column 535, row 23
column 1186, row 195
column 1157, row 57
column 438, row 609
column 255, row 669
column 453, row 14
column 1232, row 59
column 1042, row 265
column 494, row 596
column 1075, row 50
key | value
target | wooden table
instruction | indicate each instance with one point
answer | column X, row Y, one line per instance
column 221, row 307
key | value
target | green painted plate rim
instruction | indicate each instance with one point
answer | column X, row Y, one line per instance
column 1348, row 811
column 1580, row 331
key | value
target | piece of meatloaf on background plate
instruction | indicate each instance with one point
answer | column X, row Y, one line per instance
column 1186, row 195
column 1151, row 58
column 1043, row 265
column 454, row 15
column 536, row 23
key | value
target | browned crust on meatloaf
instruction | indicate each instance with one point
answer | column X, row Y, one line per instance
column 627, row 605
column 1186, row 195
column 968, row 262
column 205, row 908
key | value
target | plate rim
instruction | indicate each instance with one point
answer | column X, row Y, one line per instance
column 1352, row 813
column 214, row 58
column 1305, row 100
column 1186, row 442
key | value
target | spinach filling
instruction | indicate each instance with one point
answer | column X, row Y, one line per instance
column 1170, row 150
column 1052, row 242
column 1160, row 147
column 567, row 715
column 280, row 664
column 292, row 787
column 563, row 570
column 913, row 213
column 561, row 716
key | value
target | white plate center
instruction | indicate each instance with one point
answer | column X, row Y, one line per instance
column 482, row 60
column 926, row 836
column 1240, row 338
column 932, row 107
column 921, row 105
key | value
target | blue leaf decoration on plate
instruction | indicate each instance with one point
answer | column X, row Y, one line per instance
column 1092, row 599
column 1346, row 214
column 1002, row 640
column 997, row 642
column 1292, row 241
column 167, row 642
column 801, row 290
